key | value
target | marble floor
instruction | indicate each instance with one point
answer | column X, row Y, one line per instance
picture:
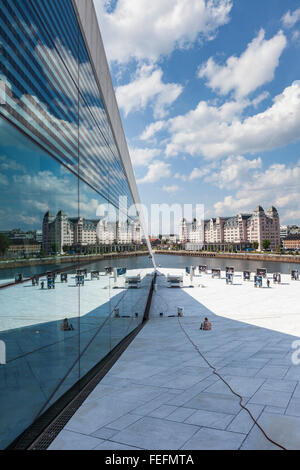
column 41, row 359
column 161, row 394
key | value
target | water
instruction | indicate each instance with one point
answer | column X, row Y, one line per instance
column 165, row 261
column 28, row 271
column 174, row 261
column 136, row 262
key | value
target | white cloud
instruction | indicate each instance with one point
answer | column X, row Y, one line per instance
column 141, row 29
column 263, row 96
column 198, row 173
column 244, row 74
column 234, row 172
column 88, row 85
column 46, row 182
column 4, row 180
column 291, row 215
column 152, row 129
column 27, row 219
column 40, row 191
column 291, row 18
column 156, row 171
column 142, row 157
column 181, row 177
column 217, row 131
column 9, row 164
column 171, row 189
column 148, row 88
column 296, row 35
column 278, row 185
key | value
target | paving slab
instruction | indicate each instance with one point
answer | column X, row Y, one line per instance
column 280, row 385
column 213, row 439
column 210, row 419
column 112, row 445
column 104, row 433
column 163, row 411
column 243, row 422
column 152, row 405
column 181, row 414
column 244, row 386
column 293, row 408
column 215, row 402
column 283, row 429
column 95, row 414
column 123, row 422
column 69, row 440
column 156, row 434
column 161, row 394
column 273, row 372
column 274, row 410
column 268, row 397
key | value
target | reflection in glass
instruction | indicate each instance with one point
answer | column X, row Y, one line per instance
column 64, row 200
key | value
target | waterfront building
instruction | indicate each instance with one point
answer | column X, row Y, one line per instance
column 191, row 231
column 20, row 249
column 172, row 238
column 293, row 230
column 155, row 241
column 240, row 231
column 284, row 231
column 61, row 132
column 18, row 235
column 62, row 231
column 291, row 242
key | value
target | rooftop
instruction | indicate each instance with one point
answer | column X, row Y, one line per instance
column 161, row 394
column 295, row 236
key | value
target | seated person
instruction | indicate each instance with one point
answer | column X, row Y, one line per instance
column 206, row 325
column 66, row 326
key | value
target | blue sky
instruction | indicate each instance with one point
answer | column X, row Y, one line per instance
column 209, row 93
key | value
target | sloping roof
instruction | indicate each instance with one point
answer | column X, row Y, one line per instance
column 292, row 237
column 61, row 214
column 48, row 214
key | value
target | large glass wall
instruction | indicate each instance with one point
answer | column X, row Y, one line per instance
column 61, row 177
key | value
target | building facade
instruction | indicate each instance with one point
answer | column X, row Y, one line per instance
column 291, row 242
column 192, row 232
column 286, row 230
column 242, row 230
column 63, row 145
column 61, row 232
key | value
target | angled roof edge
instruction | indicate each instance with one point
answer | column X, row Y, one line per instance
column 88, row 21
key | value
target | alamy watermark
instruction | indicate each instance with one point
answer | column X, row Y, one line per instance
column 155, row 219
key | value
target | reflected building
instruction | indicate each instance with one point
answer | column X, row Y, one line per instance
column 62, row 146
column 62, row 232
column 128, row 232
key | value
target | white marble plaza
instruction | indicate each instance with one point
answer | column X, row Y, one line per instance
column 24, row 305
column 162, row 395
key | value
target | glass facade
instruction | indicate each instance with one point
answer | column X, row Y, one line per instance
column 61, row 176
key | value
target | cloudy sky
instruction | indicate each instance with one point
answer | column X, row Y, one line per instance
column 209, row 92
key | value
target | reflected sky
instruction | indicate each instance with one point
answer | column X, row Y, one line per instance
column 57, row 101
column 32, row 183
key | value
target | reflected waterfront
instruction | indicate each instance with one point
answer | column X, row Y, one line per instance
column 165, row 261
column 173, row 261
column 135, row 262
